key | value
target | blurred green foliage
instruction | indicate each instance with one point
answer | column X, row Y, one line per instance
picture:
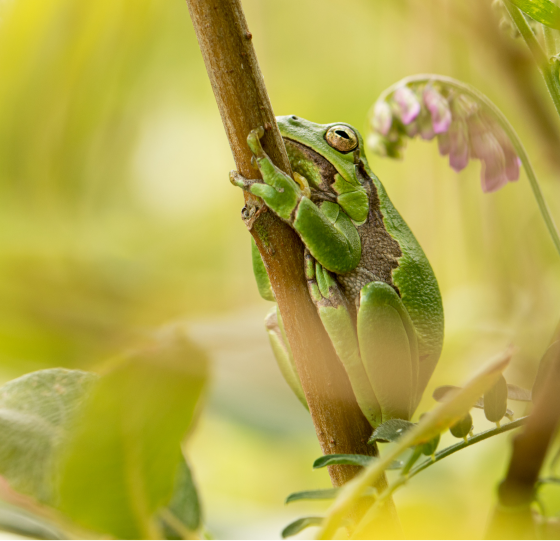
column 116, row 216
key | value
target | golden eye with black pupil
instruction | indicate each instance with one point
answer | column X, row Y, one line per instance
column 342, row 138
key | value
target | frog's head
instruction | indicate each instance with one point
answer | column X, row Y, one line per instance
column 327, row 156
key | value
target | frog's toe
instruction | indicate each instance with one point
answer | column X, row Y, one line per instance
column 254, row 141
column 240, row 181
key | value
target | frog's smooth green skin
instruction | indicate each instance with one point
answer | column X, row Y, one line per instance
column 372, row 285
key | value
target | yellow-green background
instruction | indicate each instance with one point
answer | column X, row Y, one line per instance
column 117, row 217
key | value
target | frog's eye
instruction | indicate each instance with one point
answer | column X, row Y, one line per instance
column 342, row 138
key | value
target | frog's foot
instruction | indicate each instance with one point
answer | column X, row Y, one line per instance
column 283, row 353
column 339, row 324
column 279, row 191
column 323, row 287
column 240, row 181
column 389, row 349
column 254, row 142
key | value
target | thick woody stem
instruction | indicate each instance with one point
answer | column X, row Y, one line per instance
column 512, row 518
column 227, row 49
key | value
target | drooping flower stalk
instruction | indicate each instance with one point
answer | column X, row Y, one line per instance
column 467, row 125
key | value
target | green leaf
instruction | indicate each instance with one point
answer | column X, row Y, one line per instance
column 495, row 401
column 326, row 494
column 518, row 393
column 25, row 524
column 350, row 460
column 462, row 428
column 182, row 516
column 391, row 430
column 36, row 412
column 300, row 524
column 542, row 11
column 121, row 465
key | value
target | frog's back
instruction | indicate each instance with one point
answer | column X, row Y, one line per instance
column 416, row 284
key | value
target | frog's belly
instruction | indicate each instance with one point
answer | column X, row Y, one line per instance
column 352, row 283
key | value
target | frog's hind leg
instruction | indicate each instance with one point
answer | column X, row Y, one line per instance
column 389, row 349
column 339, row 324
column 283, row 353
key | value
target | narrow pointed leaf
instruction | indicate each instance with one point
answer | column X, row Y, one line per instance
column 300, row 524
column 325, row 494
column 351, row 460
column 390, row 431
column 542, row 11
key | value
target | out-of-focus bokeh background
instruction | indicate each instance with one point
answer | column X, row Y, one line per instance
column 117, row 218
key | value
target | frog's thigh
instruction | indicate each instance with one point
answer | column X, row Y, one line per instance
column 283, row 353
column 340, row 328
column 389, row 349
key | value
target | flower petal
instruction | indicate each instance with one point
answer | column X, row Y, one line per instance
column 459, row 141
column 439, row 109
column 493, row 175
column 444, row 143
column 407, row 103
column 382, row 118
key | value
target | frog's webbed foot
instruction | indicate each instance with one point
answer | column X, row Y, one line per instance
column 283, row 353
column 339, row 324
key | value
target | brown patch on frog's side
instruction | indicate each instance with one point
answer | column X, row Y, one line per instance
column 380, row 251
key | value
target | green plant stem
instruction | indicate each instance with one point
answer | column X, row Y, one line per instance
column 508, row 129
column 361, row 528
column 547, row 69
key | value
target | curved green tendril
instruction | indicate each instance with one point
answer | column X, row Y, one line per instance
column 505, row 125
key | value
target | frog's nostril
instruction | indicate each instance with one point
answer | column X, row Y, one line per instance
column 294, row 117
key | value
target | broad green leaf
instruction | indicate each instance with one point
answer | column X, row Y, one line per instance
column 542, row 11
column 432, row 424
column 495, row 401
column 25, row 524
column 121, row 465
column 182, row 517
column 350, row 460
column 300, row 524
column 391, row 430
column 36, row 412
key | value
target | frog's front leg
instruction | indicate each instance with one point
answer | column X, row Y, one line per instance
column 389, row 349
column 340, row 327
column 327, row 231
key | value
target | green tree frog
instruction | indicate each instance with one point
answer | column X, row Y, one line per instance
column 374, row 289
